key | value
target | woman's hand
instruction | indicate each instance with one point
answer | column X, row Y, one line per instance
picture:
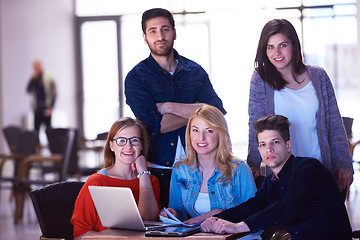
column 171, row 210
column 344, row 178
column 139, row 164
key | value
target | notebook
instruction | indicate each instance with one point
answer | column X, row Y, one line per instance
column 117, row 208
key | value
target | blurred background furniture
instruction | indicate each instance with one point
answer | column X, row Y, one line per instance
column 61, row 144
column 61, row 164
column 54, row 205
column 21, row 143
column 80, row 165
column 93, row 148
column 348, row 122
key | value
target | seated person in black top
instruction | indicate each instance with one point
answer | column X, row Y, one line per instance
column 300, row 195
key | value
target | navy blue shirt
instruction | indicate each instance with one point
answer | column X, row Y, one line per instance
column 304, row 198
column 147, row 84
column 40, row 92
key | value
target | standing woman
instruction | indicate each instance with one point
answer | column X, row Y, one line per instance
column 282, row 84
column 126, row 147
column 209, row 179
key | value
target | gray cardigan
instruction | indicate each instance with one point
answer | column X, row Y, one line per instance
column 333, row 143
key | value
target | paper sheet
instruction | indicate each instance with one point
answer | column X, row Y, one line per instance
column 172, row 219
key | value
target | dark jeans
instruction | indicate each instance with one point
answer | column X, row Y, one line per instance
column 344, row 193
column 163, row 175
column 41, row 116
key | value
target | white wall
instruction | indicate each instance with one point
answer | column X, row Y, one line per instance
column 43, row 30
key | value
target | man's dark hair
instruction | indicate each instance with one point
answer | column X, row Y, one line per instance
column 273, row 122
column 154, row 13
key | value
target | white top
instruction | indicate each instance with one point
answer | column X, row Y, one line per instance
column 202, row 203
column 180, row 152
column 300, row 107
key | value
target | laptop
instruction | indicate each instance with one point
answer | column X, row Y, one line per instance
column 117, row 208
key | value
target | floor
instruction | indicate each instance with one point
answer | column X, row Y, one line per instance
column 27, row 229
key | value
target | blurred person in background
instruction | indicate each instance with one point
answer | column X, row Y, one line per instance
column 43, row 89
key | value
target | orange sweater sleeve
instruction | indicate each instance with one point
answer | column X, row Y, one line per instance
column 85, row 217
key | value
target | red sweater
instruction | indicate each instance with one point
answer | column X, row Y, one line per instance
column 85, row 217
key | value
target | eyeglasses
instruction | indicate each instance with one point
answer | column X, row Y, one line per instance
column 122, row 141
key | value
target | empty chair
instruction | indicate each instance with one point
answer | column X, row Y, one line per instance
column 22, row 143
column 92, row 149
column 77, row 169
column 348, row 122
column 11, row 134
column 54, row 205
column 61, row 141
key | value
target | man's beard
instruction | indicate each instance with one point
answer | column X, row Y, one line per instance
column 164, row 51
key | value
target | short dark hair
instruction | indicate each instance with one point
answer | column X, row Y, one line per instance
column 273, row 122
column 264, row 67
column 154, row 13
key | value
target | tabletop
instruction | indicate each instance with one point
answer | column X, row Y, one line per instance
column 129, row 234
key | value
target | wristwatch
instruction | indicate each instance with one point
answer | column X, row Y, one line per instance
column 143, row 172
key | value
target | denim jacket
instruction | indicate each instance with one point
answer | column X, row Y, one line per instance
column 185, row 187
column 147, row 84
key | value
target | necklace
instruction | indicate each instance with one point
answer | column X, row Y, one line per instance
column 300, row 82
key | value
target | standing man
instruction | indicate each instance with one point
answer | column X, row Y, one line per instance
column 300, row 195
column 43, row 89
column 163, row 90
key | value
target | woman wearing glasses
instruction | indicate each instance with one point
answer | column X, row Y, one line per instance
column 126, row 148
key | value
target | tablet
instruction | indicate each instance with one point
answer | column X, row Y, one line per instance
column 173, row 231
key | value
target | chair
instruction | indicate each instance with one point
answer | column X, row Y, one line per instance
column 96, row 146
column 61, row 142
column 11, row 134
column 21, row 143
column 75, row 168
column 54, row 205
column 348, row 122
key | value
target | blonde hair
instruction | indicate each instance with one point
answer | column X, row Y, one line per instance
column 224, row 159
column 119, row 125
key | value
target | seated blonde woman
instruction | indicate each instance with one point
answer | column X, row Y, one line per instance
column 209, row 179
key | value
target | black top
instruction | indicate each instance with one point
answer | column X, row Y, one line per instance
column 304, row 198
